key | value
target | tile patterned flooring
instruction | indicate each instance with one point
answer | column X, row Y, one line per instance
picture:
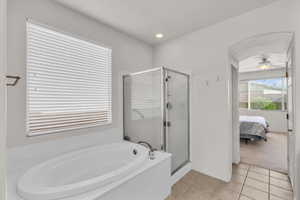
column 248, row 183
column 271, row 154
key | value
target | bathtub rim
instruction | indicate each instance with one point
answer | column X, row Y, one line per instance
column 54, row 191
column 161, row 156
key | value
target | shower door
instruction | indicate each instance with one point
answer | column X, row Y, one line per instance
column 177, row 117
column 156, row 110
column 142, row 104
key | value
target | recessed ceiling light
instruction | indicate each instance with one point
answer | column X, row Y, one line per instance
column 159, row 35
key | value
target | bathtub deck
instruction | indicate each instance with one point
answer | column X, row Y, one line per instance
column 248, row 183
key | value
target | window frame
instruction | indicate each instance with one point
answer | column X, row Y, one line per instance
column 78, row 37
column 249, row 94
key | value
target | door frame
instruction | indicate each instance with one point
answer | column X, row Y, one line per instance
column 3, row 63
column 234, row 98
column 232, row 60
column 291, row 74
column 164, row 113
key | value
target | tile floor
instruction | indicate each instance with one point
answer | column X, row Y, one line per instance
column 248, row 183
column 271, row 154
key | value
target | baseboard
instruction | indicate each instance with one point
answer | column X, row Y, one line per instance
column 181, row 172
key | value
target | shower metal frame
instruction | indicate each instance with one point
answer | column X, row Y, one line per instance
column 163, row 107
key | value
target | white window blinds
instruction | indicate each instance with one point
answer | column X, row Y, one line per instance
column 68, row 82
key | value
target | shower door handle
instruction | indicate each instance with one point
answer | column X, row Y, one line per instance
column 167, row 123
column 168, row 105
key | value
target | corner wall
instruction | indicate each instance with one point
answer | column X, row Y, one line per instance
column 205, row 53
column 3, row 36
column 128, row 55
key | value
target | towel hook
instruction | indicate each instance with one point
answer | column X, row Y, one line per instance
column 17, row 78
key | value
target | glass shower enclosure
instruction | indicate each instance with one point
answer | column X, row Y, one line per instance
column 156, row 110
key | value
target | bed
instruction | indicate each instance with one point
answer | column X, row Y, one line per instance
column 253, row 128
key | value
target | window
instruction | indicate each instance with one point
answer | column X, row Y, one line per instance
column 68, row 82
column 264, row 94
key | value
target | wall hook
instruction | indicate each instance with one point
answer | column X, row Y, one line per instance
column 206, row 82
column 17, row 78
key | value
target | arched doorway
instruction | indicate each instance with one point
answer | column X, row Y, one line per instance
column 263, row 62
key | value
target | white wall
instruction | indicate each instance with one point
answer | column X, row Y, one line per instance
column 128, row 55
column 3, row 99
column 205, row 53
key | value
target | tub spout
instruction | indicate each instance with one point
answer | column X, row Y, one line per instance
column 151, row 149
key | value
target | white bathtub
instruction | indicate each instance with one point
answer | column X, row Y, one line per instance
column 86, row 171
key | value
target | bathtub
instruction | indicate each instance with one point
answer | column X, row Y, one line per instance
column 92, row 173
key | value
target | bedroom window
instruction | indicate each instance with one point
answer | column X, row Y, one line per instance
column 263, row 94
column 68, row 82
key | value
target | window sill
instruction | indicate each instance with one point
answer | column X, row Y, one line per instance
column 66, row 129
column 257, row 110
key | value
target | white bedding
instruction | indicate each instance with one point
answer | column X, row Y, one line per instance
column 257, row 119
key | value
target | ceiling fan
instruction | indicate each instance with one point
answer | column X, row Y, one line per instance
column 264, row 63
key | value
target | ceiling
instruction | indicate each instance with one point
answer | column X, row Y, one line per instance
column 144, row 18
column 252, row 63
column 250, row 52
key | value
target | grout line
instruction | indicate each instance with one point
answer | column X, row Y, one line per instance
column 269, row 187
column 280, row 179
column 258, row 189
column 282, row 188
column 249, row 197
column 259, row 180
column 260, row 166
column 248, row 177
column 280, row 197
column 244, row 182
column 260, row 173
column 269, row 183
